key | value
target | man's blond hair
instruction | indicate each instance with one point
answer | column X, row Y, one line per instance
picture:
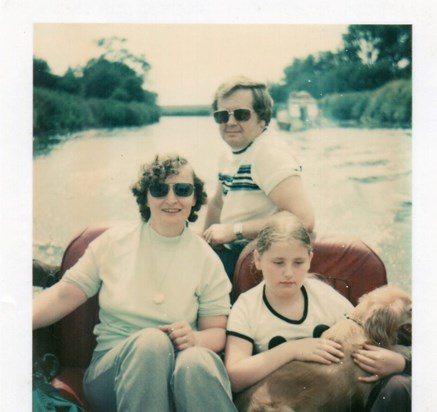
column 262, row 101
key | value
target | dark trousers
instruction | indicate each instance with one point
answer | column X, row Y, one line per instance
column 391, row 394
column 229, row 255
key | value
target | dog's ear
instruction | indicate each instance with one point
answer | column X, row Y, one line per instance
column 382, row 325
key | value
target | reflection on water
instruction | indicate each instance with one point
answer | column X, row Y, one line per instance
column 359, row 181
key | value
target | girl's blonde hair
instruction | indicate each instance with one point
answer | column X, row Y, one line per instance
column 282, row 228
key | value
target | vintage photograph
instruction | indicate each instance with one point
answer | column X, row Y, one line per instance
column 285, row 150
column 237, row 196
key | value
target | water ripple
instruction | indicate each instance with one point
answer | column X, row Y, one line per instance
column 380, row 178
column 404, row 213
column 380, row 162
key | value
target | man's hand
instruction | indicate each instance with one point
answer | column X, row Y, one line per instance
column 219, row 234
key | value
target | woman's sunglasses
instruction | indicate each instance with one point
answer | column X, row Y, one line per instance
column 241, row 115
column 179, row 189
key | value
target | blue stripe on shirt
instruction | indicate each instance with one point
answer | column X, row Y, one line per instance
column 241, row 181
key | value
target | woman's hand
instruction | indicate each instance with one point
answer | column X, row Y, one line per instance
column 380, row 362
column 319, row 350
column 181, row 334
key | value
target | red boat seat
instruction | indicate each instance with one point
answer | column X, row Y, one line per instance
column 72, row 338
column 346, row 262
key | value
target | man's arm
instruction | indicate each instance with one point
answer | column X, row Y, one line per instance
column 214, row 208
column 289, row 196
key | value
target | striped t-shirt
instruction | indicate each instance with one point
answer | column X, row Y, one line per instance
column 249, row 175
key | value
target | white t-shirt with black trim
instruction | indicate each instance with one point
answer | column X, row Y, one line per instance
column 254, row 319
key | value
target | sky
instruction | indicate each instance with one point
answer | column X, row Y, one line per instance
column 187, row 66
column 189, row 61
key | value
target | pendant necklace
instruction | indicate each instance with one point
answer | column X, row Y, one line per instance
column 158, row 296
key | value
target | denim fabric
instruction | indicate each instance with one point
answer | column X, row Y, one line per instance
column 145, row 373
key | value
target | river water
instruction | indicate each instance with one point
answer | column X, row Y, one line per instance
column 358, row 179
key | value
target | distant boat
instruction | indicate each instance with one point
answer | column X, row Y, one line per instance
column 300, row 112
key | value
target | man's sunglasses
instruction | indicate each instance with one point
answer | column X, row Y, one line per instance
column 179, row 189
column 241, row 115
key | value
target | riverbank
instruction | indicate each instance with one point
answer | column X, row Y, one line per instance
column 388, row 107
column 60, row 113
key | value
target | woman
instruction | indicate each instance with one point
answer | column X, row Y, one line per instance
column 164, row 299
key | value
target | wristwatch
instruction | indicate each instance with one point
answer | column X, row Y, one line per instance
column 238, row 230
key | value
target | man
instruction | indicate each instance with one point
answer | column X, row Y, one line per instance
column 259, row 178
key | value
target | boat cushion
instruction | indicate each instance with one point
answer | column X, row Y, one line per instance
column 346, row 262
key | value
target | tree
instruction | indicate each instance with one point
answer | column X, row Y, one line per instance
column 318, row 75
column 389, row 44
column 111, row 80
column 279, row 93
column 117, row 74
column 371, row 56
column 70, row 83
column 116, row 52
column 42, row 76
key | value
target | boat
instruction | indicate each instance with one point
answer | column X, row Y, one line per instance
column 300, row 112
column 345, row 262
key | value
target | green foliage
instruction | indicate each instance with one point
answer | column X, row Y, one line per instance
column 389, row 105
column 279, row 93
column 371, row 57
column 113, row 113
column 42, row 76
column 344, row 107
column 116, row 51
column 111, row 80
column 105, row 93
column 391, row 44
column 320, row 78
column 57, row 112
column 392, row 104
column 192, row 110
column 69, row 83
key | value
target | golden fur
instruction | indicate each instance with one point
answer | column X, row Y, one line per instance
column 313, row 387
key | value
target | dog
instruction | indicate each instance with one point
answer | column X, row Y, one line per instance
column 313, row 387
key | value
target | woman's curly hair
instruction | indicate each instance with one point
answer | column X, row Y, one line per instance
column 156, row 172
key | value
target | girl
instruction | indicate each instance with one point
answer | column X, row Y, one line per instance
column 273, row 323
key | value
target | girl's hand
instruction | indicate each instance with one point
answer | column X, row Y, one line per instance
column 319, row 350
column 380, row 362
column 181, row 334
